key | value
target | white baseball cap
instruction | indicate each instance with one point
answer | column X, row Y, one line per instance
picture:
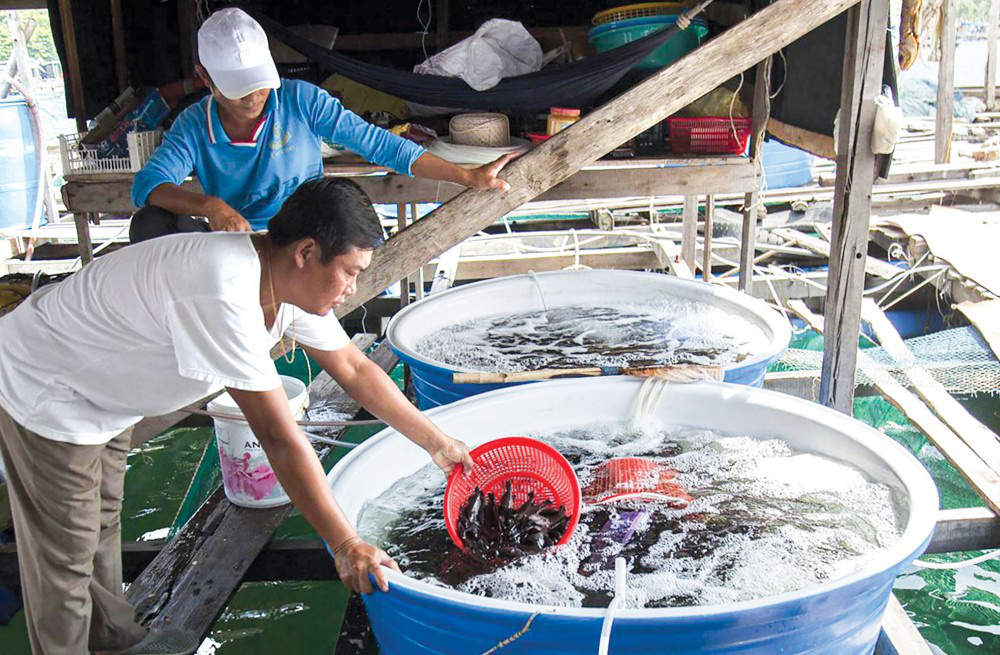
column 233, row 48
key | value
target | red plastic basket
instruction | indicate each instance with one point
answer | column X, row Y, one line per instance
column 709, row 135
column 529, row 465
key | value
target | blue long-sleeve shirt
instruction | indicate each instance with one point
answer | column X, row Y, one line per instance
column 254, row 177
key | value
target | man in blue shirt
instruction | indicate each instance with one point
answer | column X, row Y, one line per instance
column 256, row 138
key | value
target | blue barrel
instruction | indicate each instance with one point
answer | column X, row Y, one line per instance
column 18, row 165
column 785, row 166
column 841, row 616
column 432, row 379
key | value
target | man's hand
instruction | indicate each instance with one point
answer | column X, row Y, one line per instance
column 448, row 453
column 355, row 560
column 223, row 218
column 485, row 177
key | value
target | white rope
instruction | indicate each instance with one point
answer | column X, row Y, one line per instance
column 621, row 591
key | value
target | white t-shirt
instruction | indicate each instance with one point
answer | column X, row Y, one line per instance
column 143, row 332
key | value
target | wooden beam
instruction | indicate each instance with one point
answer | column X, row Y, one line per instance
column 862, row 81
column 689, row 239
column 991, row 55
column 983, row 479
column 977, row 436
column 599, row 132
column 118, row 35
column 902, row 634
column 28, row 29
column 761, row 113
column 195, row 575
column 820, row 145
column 873, row 265
column 111, row 193
column 972, row 528
column 82, row 220
column 945, row 110
column 73, row 64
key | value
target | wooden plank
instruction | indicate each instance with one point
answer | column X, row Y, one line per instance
column 761, row 114
column 193, row 578
column 597, row 133
column 973, row 528
column 901, row 632
column 864, row 55
column 991, row 55
column 82, row 221
column 985, row 317
column 73, row 64
column 977, row 436
column 111, row 193
column 820, row 145
column 873, row 265
column 945, row 109
column 689, row 239
column 983, row 479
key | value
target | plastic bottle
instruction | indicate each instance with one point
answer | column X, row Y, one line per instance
column 560, row 118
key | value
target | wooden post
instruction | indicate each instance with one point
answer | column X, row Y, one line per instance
column 761, row 113
column 73, row 64
column 418, row 276
column 82, row 220
column 596, row 134
column 946, row 85
column 991, row 56
column 706, row 248
column 689, row 231
column 862, row 80
column 404, row 283
column 118, row 34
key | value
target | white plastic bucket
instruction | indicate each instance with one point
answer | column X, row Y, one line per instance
column 247, row 476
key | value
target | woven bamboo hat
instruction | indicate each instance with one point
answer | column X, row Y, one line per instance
column 481, row 130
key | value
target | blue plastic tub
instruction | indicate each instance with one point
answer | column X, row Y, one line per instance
column 432, row 379
column 839, row 617
column 612, row 35
column 18, row 165
column 785, row 166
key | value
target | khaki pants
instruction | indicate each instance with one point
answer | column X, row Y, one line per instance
column 66, row 501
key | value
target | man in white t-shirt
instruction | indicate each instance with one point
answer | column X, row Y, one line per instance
column 154, row 327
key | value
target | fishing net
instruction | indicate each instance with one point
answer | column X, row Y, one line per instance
column 634, row 477
column 959, row 359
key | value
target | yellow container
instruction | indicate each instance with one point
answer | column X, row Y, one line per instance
column 560, row 118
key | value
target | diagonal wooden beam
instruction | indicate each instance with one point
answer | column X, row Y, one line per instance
column 646, row 104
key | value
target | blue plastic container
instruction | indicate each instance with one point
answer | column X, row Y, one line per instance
column 612, row 35
column 839, row 617
column 432, row 379
column 785, row 166
column 18, row 165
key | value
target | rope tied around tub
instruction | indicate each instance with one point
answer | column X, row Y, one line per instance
column 514, row 637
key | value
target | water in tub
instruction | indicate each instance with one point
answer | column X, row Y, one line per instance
column 764, row 520
column 657, row 334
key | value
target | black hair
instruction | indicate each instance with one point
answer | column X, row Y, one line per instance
column 332, row 211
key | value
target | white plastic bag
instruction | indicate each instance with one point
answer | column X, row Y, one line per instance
column 888, row 124
column 499, row 48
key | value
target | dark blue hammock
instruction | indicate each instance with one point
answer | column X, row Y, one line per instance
column 574, row 84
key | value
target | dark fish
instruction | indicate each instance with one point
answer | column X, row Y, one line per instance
column 493, row 530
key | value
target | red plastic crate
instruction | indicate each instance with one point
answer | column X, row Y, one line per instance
column 709, row 136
